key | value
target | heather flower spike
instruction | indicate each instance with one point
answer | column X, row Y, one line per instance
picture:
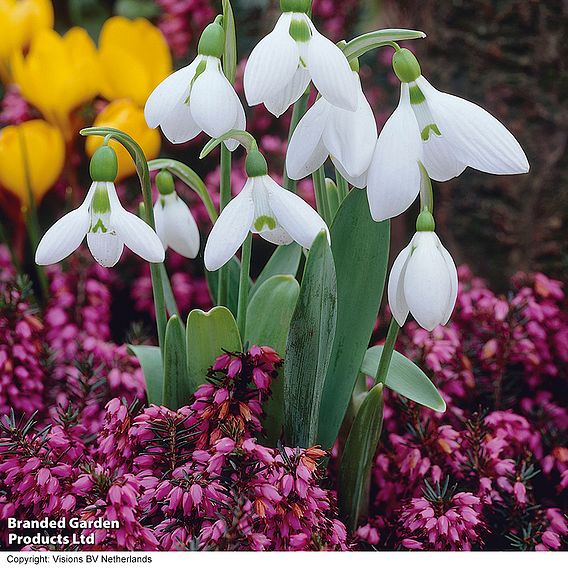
column 282, row 64
column 175, row 224
column 441, row 131
column 276, row 214
column 423, row 279
column 102, row 218
column 347, row 136
column 198, row 97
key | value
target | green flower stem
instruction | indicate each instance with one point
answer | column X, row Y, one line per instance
column 32, row 220
column 225, row 197
column 244, row 284
column 386, row 356
column 300, row 107
column 342, row 186
column 169, row 297
column 318, row 178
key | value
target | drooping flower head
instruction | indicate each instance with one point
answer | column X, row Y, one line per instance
column 101, row 217
column 423, row 279
column 175, row 224
column 443, row 132
column 281, row 66
column 347, row 136
column 276, row 214
column 198, row 97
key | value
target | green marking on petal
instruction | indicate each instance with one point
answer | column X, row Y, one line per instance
column 101, row 203
column 263, row 220
column 99, row 225
column 416, row 95
column 299, row 30
column 425, row 134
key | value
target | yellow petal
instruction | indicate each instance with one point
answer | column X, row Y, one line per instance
column 134, row 59
column 20, row 21
column 58, row 74
column 128, row 117
column 36, row 146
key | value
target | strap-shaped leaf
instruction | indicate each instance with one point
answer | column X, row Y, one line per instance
column 309, row 345
column 360, row 45
column 177, row 389
column 190, row 178
column 284, row 260
column 268, row 320
column 360, row 249
column 208, row 334
column 150, row 359
column 230, row 53
column 357, row 458
column 405, row 378
column 233, row 268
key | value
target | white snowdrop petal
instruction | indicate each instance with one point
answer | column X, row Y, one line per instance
column 478, row 139
column 230, row 229
column 356, row 181
column 295, row 216
column 277, row 236
column 331, row 72
column 135, row 233
column 65, row 236
column 181, row 229
column 212, row 102
column 178, row 126
column 160, row 221
column 168, row 94
column 351, row 136
column 453, row 274
column 427, row 284
column 278, row 103
column 306, row 152
column 397, row 302
column 240, row 123
column 272, row 63
column 439, row 159
column 394, row 175
column 106, row 248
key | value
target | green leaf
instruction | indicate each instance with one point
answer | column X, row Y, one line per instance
column 360, row 45
column 207, row 335
column 230, row 53
column 357, row 458
column 309, row 344
column 150, row 360
column 169, row 297
column 284, row 260
column 190, row 178
column 405, row 378
column 233, row 268
column 177, row 389
column 268, row 321
column 360, row 250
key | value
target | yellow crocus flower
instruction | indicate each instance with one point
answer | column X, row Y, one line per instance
column 20, row 21
column 33, row 151
column 134, row 58
column 128, row 117
column 58, row 74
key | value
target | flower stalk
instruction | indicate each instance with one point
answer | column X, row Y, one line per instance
column 299, row 109
column 244, row 284
column 386, row 355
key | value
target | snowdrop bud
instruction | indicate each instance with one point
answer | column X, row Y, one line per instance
column 104, row 164
column 297, row 6
column 165, row 182
column 212, row 41
column 425, row 222
column 255, row 164
column 406, row 66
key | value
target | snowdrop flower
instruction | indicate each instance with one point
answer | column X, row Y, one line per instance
column 443, row 132
column 175, row 224
column 349, row 137
column 276, row 214
column 198, row 97
column 280, row 67
column 102, row 218
column 423, row 279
